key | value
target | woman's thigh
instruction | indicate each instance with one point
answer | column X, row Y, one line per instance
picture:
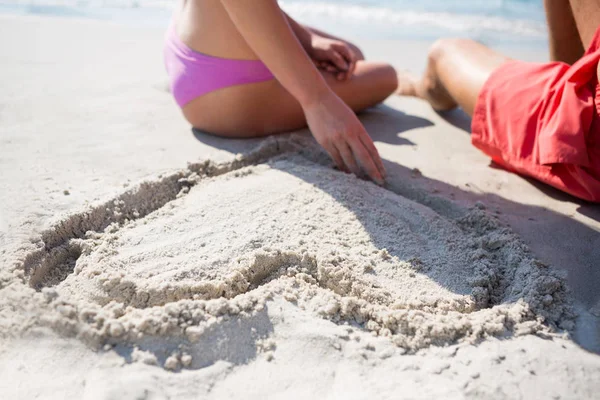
column 265, row 108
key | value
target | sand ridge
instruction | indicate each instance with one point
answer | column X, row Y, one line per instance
column 182, row 260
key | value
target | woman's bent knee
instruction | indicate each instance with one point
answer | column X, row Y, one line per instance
column 371, row 84
column 390, row 80
column 385, row 79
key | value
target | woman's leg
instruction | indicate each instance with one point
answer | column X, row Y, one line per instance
column 565, row 42
column 265, row 108
column 456, row 71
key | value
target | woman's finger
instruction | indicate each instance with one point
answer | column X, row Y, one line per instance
column 368, row 143
column 348, row 158
column 349, row 56
column 366, row 161
column 344, row 50
column 338, row 61
column 343, row 76
column 337, row 158
column 325, row 65
column 351, row 68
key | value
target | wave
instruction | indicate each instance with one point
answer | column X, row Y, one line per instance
column 407, row 18
column 368, row 16
column 119, row 4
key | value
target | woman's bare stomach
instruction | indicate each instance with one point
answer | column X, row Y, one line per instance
column 205, row 26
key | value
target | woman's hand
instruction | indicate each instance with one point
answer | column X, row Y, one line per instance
column 333, row 56
column 267, row 31
column 338, row 130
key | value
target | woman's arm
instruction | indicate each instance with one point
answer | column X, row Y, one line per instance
column 303, row 34
column 329, row 54
column 263, row 26
column 266, row 30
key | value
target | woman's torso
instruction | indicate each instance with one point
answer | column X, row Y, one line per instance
column 205, row 26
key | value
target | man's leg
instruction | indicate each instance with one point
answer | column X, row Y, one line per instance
column 587, row 19
column 565, row 41
column 456, row 71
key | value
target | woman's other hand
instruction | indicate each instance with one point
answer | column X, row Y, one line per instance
column 335, row 127
column 333, row 56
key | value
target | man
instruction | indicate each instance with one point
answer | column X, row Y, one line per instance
column 539, row 120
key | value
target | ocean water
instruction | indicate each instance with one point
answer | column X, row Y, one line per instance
column 490, row 21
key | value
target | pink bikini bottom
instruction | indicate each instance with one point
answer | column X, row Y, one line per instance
column 194, row 74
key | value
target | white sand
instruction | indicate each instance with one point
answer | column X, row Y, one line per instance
column 267, row 274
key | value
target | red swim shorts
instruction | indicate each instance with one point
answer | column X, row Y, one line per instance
column 543, row 121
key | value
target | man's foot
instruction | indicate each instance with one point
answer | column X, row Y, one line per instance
column 427, row 89
column 407, row 84
column 435, row 93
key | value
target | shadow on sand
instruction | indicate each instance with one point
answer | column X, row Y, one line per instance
column 579, row 258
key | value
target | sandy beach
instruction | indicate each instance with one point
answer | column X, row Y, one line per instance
column 144, row 260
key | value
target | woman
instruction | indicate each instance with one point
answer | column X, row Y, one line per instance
column 540, row 120
column 245, row 68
